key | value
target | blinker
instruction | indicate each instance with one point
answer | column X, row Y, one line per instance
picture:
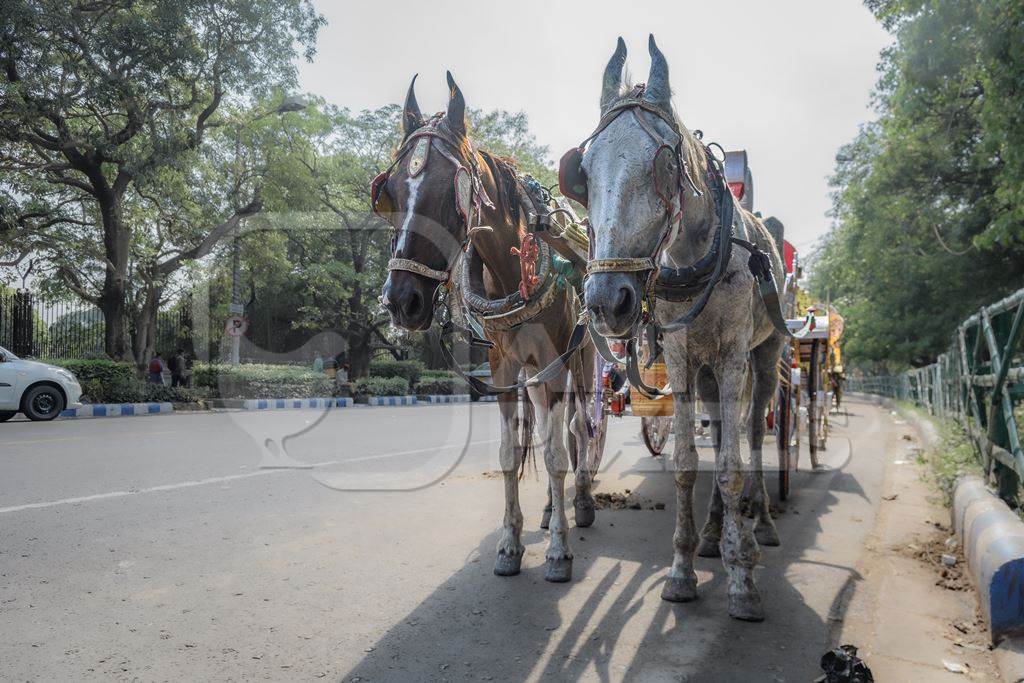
column 572, row 181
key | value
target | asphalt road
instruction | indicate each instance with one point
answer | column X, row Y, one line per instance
column 155, row 548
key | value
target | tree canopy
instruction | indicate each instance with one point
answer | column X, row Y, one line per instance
column 927, row 200
column 101, row 101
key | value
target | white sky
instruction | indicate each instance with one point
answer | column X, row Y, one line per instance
column 789, row 80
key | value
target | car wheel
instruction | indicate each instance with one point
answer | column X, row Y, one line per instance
column 6, row 415
column 42, row 403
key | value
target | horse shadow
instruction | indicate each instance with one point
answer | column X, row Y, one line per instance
column 610, row 623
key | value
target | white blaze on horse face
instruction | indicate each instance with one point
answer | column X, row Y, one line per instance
column 410, row 210
column 624, row 210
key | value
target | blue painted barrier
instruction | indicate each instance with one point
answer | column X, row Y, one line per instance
column 295, row 403
column 117, row 410
column 444, row 398
column 392, row 400
column 992, row 536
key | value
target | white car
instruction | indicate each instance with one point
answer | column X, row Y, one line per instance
column 38, row 390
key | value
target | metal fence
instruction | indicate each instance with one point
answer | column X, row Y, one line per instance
column 35, row 327
column 979, row 381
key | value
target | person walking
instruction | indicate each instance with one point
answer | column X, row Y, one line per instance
column 177, row 367
column 157, row 369
column 318, row 363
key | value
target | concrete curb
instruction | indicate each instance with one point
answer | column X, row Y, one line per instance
column 117, row 410
column 444, row 398
column 295, row 403
column 391, row 401
column 992, row 536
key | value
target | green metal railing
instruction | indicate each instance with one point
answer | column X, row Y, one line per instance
column 979, row 381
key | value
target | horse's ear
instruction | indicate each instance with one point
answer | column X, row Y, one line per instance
column 411, row 116
column 456, row 108
column 658, row 90
column 612, row 79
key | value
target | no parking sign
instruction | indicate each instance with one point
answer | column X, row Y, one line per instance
column 236, row 326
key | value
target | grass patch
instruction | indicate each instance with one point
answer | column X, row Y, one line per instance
column 951, row 457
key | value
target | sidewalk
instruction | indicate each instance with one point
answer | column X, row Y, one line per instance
column 906, row 624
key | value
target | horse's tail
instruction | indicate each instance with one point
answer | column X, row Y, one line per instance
column 527, row 435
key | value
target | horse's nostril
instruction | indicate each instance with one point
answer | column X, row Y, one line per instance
column 624, row 304
column 412, row 305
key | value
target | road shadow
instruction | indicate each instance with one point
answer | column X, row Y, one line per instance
column 610, row 624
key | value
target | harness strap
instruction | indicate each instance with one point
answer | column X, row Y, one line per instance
column 761, row 267
column 416, row 267
column 620, row 265
column 577, row 340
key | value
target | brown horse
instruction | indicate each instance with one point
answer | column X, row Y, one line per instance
column 458, row 209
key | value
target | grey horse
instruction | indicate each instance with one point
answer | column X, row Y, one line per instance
column 631, row 218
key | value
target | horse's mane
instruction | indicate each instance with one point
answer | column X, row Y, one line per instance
column 506, row 178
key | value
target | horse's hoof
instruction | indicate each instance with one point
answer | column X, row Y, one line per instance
column 679, row 589
column 507, row 565
column 746, row 606
column 558, row 570
column 766, row 534
column 585, row 513
column 545, row 519
column 708, row 547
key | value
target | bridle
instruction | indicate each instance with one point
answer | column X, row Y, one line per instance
column 470, row 195
column 663, row 282
column 671, row 192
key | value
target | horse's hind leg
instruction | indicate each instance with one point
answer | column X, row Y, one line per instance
column 510, row 547
column 711, row 534
column 545, row 518
column 764, row 363
column 583, row 500
column 551, row 420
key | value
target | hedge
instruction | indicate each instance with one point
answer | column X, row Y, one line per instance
column 104, row 381
column 411, row 370
column 253, row 380
column 381, row 386
column 444, row 386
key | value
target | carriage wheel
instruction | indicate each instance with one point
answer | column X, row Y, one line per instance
column 599, row 410
column 813, row 385
column 655, row 432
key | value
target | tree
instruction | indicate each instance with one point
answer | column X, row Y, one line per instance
column 99, row 98
column 925, row 225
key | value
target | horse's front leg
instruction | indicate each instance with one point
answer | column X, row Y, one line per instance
column 550, row 408
column 583, row 500
column 510, row 455
column 711, row 534
column 740, row 551
column 681, row 584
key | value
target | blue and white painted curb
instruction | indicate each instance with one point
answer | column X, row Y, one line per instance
column 446, row 398
column 392, row 400
column 295, row 403
column 118, row 409
column 489, row 399
column 992, row 537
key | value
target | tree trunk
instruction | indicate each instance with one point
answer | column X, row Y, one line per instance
column 358, row 355
column 112, row 300
column 145, row 327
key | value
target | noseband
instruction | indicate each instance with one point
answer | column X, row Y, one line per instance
column 470, row 195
